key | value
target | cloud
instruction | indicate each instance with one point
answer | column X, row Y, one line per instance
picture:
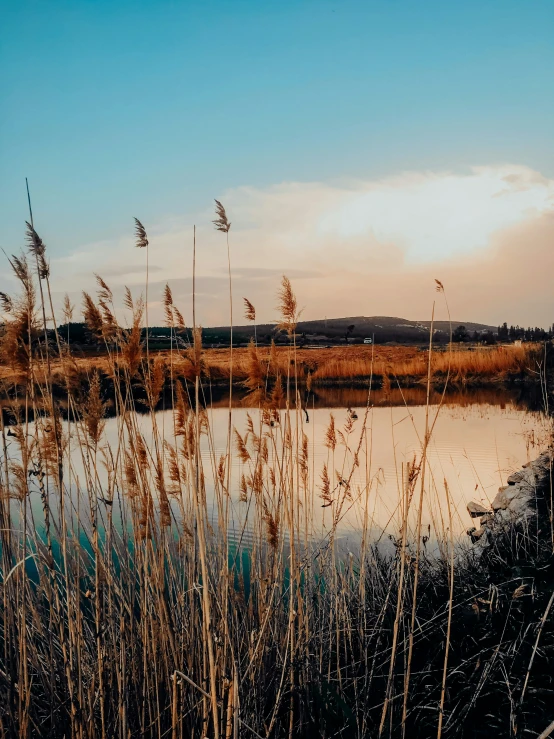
column 356, row 248
column 257, row 273
column 432, row 216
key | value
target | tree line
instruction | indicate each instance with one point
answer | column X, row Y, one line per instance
column 503, row 334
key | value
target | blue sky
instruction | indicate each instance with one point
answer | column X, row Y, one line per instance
column 115, row 109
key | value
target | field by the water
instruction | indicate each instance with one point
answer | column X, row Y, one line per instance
column 348, row 364
column 269, row 542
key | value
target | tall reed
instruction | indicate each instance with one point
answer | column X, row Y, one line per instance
column 158, row 581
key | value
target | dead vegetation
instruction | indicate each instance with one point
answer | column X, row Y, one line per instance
column 130, row 606
column 351, row 366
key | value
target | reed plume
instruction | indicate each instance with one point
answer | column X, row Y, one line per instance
column 325, row 488
column 21, row 331
column 254, row 370
column 141, row 242
column 141, row 238
column 6, row 302
column 94, row 410
column 92, row 316
column 287, row 307
column 221, row 222
column 38, row 248
column 139, row 599
column 168, row 306
column 249, row 310
column 67, row 309
column 131, row 348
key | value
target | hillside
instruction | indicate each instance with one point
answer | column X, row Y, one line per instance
column 382, row 328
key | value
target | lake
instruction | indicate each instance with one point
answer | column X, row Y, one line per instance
column 478, row 438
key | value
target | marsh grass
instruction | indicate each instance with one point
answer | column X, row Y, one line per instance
column 128, row 610
column 350, row 366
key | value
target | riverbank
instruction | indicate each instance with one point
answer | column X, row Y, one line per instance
column 349, row 366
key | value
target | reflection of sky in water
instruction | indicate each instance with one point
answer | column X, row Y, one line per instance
column 473, row 447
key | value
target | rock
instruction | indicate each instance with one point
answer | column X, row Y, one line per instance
column 514, row 497
column 476, row 510
column 501, row 500
column 514, row 503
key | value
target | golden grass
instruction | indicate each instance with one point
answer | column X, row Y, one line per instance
column 153, row 607
column 354, row 362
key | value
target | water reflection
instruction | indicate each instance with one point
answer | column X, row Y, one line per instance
column 523, row 398
column 480, row 436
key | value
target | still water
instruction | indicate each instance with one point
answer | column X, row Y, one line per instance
column 478, row 438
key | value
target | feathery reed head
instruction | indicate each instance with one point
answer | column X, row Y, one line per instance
column 168, row 306
column 21, row 270
column 104, row 293
column 140, row 233
column 6, row 302
column 92, row 316
column 128, row 299
column 94, row 410
column 132, row 346
column 439, row 287
column 105, row 300
column 35, row 243
column 67, row 309
column 272, row 527
column 221, row 223
column 249, row 310
column 330, row 434
column 178, row 318
column 325, row 488
column 287, row 306
column 38, row 248
column 254, row 369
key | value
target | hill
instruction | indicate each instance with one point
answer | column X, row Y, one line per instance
column 382, row 328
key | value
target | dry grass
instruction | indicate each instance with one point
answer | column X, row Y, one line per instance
column 133, row 602
column 403, row 364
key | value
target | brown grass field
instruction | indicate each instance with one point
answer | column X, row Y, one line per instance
column 170, row 580
column 339, row 365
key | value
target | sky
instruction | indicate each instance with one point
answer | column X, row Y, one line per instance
column 363, row 148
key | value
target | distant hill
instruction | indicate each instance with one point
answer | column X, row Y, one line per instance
column 382, row 328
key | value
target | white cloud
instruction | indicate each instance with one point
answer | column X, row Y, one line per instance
column 357, row 247
column 433, row 216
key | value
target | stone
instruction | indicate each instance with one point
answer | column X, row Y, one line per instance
column 501, row 500
column 477, row 534
column 476, row 510
column 512, row 497
column 514, row 503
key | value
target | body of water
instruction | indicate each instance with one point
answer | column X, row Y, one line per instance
column 478, row 438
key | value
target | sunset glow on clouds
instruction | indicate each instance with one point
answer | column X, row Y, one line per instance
column 356, row 248
column 363, row 148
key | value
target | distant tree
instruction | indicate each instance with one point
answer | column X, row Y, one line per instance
column 503, row 332
column 460, row 334
column 488, row 338
column 76, row 333
column 349, row 332
column 475, row 337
